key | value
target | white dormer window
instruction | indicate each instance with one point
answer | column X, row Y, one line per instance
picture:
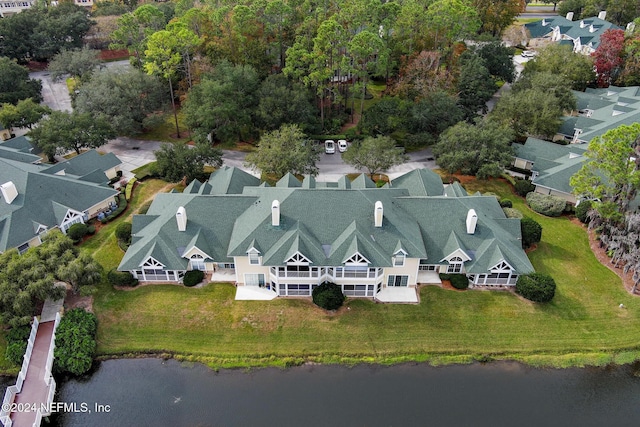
column 398, row 259
column 357, row 259
column 254, row 257
column 455, row 265
column 197, row 262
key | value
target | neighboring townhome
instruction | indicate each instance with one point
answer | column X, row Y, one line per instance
column 11, row 7
column 583, row 36
column 550, row 165
column 37, row 197
column 286, row 240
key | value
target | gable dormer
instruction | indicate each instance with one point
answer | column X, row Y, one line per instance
column 298, row 259
column 399, row 258
column 357, row 259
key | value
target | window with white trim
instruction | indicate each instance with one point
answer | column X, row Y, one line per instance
column 455, row 265
column 197, row 262
column 397, row 280
column 254, row 280
column 398, row 259
column 254, row 257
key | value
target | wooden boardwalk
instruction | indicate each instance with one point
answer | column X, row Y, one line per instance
column 35, row 390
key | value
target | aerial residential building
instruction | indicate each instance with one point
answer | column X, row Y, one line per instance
column 285, row 240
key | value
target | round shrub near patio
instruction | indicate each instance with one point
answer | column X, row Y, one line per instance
column 505, row 203
column 193, row 277
column 531, row 231
column 77, row 231
column 121, row 278
column 328, row 296
column 536, row 287
column 524, row 186
column 459, row 281
column 582, row 210
column 546, row 204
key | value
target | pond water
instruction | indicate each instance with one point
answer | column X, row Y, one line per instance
column 153, row 392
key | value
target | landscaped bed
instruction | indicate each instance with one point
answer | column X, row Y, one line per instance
column 582, row 325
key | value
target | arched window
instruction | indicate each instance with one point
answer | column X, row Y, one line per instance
column 455, row 265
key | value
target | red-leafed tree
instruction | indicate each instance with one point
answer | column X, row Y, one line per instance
column 607, row 58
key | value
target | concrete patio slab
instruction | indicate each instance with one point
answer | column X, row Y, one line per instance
column 398, row 295
column 254, row 293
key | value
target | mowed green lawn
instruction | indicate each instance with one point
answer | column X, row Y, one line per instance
column 582, row 325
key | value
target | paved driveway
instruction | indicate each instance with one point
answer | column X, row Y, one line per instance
column 133, row 153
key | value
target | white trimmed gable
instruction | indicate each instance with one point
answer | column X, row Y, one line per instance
column 298, row 259
column 502, row 266
column 194, row 250
column 458, row 253
column 151, row 262
column 356, row 259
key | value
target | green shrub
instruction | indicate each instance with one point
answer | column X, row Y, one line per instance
column 122, row 205
column 546, row 204
column 129, row 189
column 193, row 277
column 91, row 230
column 531, row 231
column 380, row 183
column 582, row 209
column 512, row 213
column 444, row 276
column 75, row 342
column 77, row 231
column 123, row 232
column 121, row 278
column 328, row 296
column 17, row 343
column 536, row 287
column 523, row 186
column 505, row 203
column 459, row 281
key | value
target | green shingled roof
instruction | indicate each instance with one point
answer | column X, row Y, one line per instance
column 327, row 225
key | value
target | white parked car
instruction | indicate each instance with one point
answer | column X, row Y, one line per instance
column 342, row 145
column 329, row 146
column 528, row 53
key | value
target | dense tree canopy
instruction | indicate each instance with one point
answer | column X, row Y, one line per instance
column 481, row 149
column 27, row 279
column 529, row 112
column 560, row 59
column 611, row 176
column 375, row 154
column 545, row 81
column 126, row 99
column 179, row 162
column 283, row 151
column 222, row 103
column 498, row 60
column 39, row 33
column 475, row 85
column 15, row 83
column 25, row 114
column 608, row 57
column 78, row 63
column 496, row 15
column 61, row 132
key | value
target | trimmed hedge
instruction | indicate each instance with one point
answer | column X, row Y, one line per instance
column 546, row 204
column 328, row 296
column 523, row 187
column 193, row 277
column 582, row 209
column 512, row 213
column 123, row 232
column 121, row 278
column 531, row 231
column 459, row 281
column 77, row 231
column 505, row 203
column 129, row 188
column 536, row 287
